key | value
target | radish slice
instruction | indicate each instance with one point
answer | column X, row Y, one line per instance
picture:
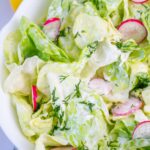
column 34, row 97
column 139, row 1
column 142, row 130
column 52, row 27
column 101, row 86
column 133, row 29
column 127, row 108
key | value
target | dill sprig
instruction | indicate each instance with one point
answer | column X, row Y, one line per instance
column 89, row 104
column 63, row 77
column 91, row 49
column 77, row 90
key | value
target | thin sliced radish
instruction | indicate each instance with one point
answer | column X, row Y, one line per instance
column 133, row 29
column 142, row 130
column 127, row 108
column 52, row 27
column 100, row 85
column 34, row 97
column 139, row 1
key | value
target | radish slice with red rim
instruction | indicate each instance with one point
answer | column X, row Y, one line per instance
column 142, row 130
column 100, row 85
column 139, row 1
column 34, row 97
column 52, row 28
column 133, row 29
column 127, row 108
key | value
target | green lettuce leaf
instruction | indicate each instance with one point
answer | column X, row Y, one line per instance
column 84, row 33
column 67, row 43
column 137, row 10
column 121, row 133
column 46, row 140
column 21, row 78
column 92, row 58
column 146, row 20
column 142, row 144
column 67, row 38
column 136, row 52
column 119, row 74
column 97, row 55
column 116, row 10
column 34, row 42
column 11, row 47
column 40, row 126
column 59, row 8
column 24, row 112
column 140, row 81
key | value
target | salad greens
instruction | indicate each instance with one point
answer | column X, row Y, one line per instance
column 70, row 110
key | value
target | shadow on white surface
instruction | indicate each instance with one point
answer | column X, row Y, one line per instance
column 5, row 14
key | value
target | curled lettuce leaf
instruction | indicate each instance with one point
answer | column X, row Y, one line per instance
column 58, row 68
column 116, row 10
column 84, row 33
column 11, row 47
column 146, row 20
column 141, row 80
column 118, row 74
column 20, row 85
column 68, row 44
column 22, row 77
column 59, row 8
column 40, row 126
column 34, row 42
column 137, row 10
column 135, row 52
column 46, row 140
column 96, row 56
column 24, row 112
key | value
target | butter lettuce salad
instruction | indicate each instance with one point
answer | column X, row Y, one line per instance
column 79, row 78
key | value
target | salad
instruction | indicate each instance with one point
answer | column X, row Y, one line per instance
column 79, row 78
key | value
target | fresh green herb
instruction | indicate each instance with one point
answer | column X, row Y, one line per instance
column 57, row 113
column 113, row 144
column 53, row 130
column 84, row 1
column 145, row 6
column 140, row 81
column 83, row 31
column 77, row 90
column 132, row 106
column 137, row 93
column 64, row 32
column 89, row 104
column 65, row 127
column 54, row 98
column 82, row 146
column 69, row 6
column 128, row 46
column 63, row 77
column 62, row 2
column 67, row 98
column 77, row 35
column 91, row 48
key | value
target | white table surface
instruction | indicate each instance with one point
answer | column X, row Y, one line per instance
column 5, row 14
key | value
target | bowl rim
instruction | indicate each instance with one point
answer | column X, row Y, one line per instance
column 8, row 117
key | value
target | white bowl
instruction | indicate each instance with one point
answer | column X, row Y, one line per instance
column 34, row 10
